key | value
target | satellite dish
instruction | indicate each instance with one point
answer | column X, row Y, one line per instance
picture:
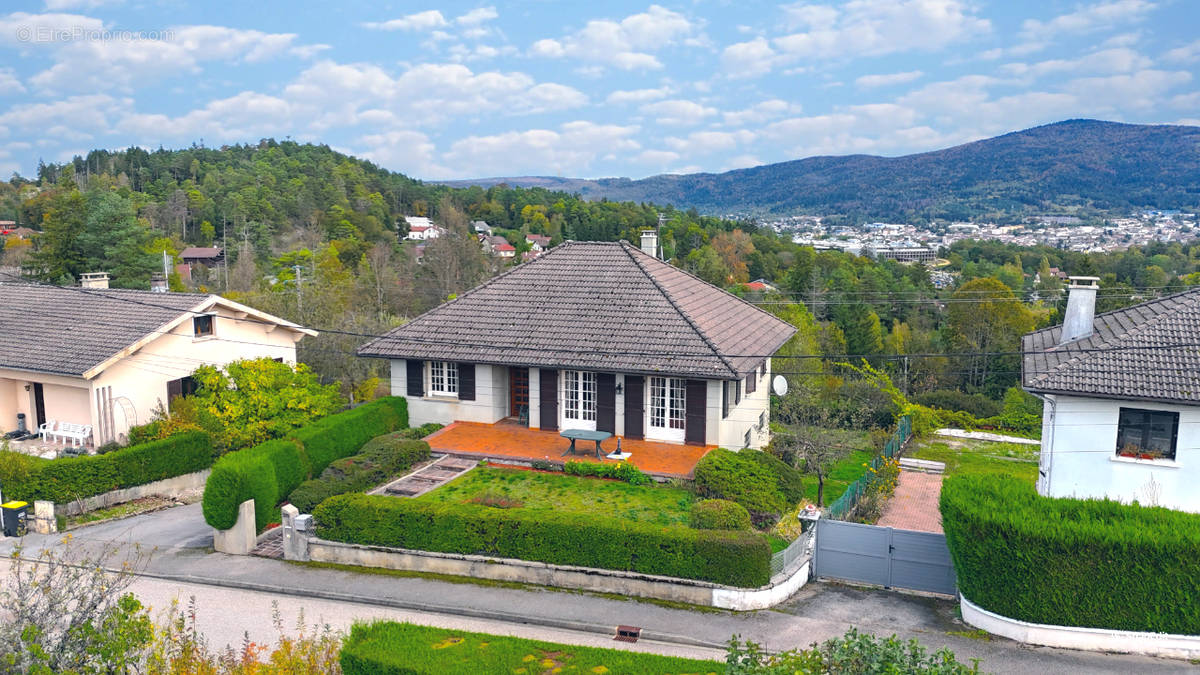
column 779, row 385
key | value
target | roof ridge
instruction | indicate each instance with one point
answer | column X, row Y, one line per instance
column 628, row 249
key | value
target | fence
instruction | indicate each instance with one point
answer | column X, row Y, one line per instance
column 781, row 560
column 840, row 508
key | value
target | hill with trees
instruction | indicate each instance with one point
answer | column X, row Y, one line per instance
column 1061, row 167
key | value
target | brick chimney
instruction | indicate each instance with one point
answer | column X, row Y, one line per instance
column 94, row 280
column 1081, row 309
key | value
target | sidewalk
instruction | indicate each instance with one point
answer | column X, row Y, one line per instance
column 182, row 553
column 914, row 506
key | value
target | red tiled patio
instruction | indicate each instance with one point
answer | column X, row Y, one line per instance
column 509, row 440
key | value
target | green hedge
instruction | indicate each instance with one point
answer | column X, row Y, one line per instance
column 381, row 458
column 734, row 558
column 750, row 478
column 1071, row 562
column 268, row 472
column 622, row 471
column 62, row 480
column 719, row 514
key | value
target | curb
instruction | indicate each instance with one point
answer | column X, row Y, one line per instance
column 563, row 624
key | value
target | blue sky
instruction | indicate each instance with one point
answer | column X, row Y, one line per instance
column 455, row 90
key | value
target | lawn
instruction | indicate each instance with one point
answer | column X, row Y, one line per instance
column 846, row 471
column 391, row 647
column 538, row 491
column 963, row 456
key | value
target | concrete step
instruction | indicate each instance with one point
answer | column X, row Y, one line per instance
column 922, row 465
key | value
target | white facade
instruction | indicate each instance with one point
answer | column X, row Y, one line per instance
column 749, row 416
column 1079, row 455
column 421, row 228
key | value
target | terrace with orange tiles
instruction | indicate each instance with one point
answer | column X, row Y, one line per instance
column 512, row 441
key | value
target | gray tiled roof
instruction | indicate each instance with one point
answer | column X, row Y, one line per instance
column 594, row 306
column 68, row 331
column 1133, row 353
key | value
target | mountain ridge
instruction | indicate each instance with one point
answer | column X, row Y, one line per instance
column 1063, row 165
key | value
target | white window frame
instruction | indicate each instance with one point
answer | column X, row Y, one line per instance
column 578, row 399
column 666, row 409
column 443, row 378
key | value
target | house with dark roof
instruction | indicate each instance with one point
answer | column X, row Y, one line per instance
column 1121, row 393
column 107, row 358
column 592, row 335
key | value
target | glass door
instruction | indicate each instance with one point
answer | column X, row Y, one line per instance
column 579, row 400
column 666, row 409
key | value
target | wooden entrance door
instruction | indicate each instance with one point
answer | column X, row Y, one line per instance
column 518, row 393
column 39, row 405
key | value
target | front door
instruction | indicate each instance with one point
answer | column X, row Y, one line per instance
column 518, row 393
column 39, row 405
column 668, row 402
column 579, row 400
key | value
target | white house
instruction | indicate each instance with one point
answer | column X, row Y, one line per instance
column 421, row 228
column 107, row 358
column 593, row 335
column 1121, row 394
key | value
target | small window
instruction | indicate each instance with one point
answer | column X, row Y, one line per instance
column 202, row 326
column 1147, row 434
column 443, row 378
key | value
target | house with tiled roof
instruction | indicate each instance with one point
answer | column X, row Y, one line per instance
column 1121, row 393
column 108, row 358
column 592, row 335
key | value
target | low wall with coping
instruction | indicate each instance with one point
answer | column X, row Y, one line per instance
column 1075, row 637
column 693, row 592
column 167, row 487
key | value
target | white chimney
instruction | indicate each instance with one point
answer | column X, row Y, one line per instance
column 1081, row 309
column 94, row 280
column 158, row 283
column 650, row 242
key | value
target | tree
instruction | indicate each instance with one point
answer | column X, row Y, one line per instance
column 734, row 249
column 810, row 440
column 986, row 320
column 58, row 252
column 453, row 262
column 706, row 264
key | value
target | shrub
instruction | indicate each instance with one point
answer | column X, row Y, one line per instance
column 269, row 472
column 62, row 480
column 740, row 477
column 787, row 477
column 562, row 538
column 976, row 405
column 623, row 471
column 719, row 514
column 1071, row 562
column 854, row 652
column 422, row 431
column 380, row 459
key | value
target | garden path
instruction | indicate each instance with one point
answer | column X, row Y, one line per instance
column 914, row 506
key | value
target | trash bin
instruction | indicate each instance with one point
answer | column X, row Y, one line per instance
column 14, row 514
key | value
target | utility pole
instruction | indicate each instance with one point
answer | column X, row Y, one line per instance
column 299, row 295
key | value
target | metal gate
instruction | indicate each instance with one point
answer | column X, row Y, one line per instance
column 884, row 556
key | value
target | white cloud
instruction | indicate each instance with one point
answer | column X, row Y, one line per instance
column 1189, row 53
column 477, row 16
column 86, row 116
column 657, row 157
column 25, row 30
column 678, row 112
column 871, row 81
column 55, row 5
column 570, row 149
column 637, row 95
column 741, row 162
column 707, row 142
column 410, row 152
column 1087, row 19
column 9, row 84
column 1143, row 89
column 626, row 45
column 748, row 59
column 1119, row 60
column 1187, row 101
column 761, row 112
column 426, row 20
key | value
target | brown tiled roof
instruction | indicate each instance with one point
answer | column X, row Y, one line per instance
column 594, row 306
column 1139, row 352
column 200, row 252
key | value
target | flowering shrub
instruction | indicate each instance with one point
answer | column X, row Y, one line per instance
column 623, row 471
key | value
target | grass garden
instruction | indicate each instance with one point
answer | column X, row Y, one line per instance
column 973, row 457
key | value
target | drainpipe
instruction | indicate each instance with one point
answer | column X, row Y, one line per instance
column 1047, row 441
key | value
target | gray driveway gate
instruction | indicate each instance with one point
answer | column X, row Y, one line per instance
column 884, row 556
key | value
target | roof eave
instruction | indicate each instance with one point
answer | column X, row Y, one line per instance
column 1111, row 397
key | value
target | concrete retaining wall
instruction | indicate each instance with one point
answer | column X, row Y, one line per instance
column 168, row 487
column 1089, row 639
column 562, row 576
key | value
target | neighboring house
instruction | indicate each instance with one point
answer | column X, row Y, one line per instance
column 108, row 358
column 481, row 228
column 208, row 256
column 421, row 228
column 1122, row 400
column 538, row 242
column 593, row 335
column 760, row 286
column 499, row 247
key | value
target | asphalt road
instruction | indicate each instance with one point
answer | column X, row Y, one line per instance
column 234, row 596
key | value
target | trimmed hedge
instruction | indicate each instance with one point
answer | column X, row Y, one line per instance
column 748, row 477
column 734, row 558
column 380, row 459
column 719, row 514
column 1072, row 562
column 268, row 472
column 62, row 480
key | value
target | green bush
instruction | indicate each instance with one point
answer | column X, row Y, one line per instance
column 976, row 405
column 380, row 459
column 622, row 471
column 62, row 480
column 1072, row 562
column 787, row 477
column 562, row 538
column 741, row 477
column 269, row 472
column 719, row 514
column 854, row 652
column 417, row 433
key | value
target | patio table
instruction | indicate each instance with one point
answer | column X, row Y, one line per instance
column 584, row 435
